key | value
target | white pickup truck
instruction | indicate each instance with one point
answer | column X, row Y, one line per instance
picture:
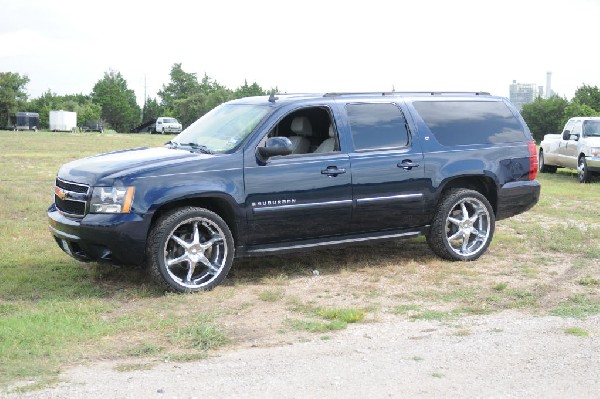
column 577, row 147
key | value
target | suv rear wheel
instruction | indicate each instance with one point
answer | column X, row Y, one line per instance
column 463, row 226
column 190, row 249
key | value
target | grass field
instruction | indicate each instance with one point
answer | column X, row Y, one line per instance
column 56, row 312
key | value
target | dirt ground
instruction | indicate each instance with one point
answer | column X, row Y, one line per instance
column 431, row 329
column 510, row 354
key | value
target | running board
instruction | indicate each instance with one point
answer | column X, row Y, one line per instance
column 306, row 245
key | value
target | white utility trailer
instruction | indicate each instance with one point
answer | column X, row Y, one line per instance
column 63, row 121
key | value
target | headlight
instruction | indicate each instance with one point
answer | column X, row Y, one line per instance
column 595, row 151
column 111, row 199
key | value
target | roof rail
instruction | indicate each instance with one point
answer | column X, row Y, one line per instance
column 430, row 93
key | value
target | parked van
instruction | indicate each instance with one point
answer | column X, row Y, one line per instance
column 167, row 125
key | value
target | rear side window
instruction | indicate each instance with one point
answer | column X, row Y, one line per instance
column 470, row 122
column 377, row 125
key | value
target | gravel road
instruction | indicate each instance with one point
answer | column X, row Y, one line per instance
column 502, row 355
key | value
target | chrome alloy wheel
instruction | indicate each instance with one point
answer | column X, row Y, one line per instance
column 195, row 252
column 467, row 227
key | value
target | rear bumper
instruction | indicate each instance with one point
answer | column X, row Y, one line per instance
column 119, row 238
column 517, row 197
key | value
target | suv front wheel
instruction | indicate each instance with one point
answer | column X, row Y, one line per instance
column 190, row 249
column 463, row 226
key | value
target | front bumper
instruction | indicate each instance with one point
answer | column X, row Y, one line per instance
column 517, row 197
column 114, row 238
column 172, row 129
column 593, row 164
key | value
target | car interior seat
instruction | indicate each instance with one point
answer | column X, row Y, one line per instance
column 302, row 129
column 328, row 145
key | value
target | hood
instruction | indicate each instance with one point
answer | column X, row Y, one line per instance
column 119, row 164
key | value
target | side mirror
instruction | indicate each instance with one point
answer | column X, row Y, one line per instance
column 566, row 135
column 275, row 146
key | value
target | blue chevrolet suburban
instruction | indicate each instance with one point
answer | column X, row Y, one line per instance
column 289, row 172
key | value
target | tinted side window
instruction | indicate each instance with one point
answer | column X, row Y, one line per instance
column 377, row 125
column 470, row 122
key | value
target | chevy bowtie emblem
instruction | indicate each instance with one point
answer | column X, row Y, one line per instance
column 60, row 193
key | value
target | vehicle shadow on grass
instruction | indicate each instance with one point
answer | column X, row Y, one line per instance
column 330, row 261
column 132, row 281
column 569, row 175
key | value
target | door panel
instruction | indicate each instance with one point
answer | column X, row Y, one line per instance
column 298, row 197
column 388, row 189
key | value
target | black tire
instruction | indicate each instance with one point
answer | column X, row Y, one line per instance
column 463, row 226
column 542, row 167
column 189, row 249
column 583, row 173
column 163, row 131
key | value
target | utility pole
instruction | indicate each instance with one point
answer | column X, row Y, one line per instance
column 145, row 99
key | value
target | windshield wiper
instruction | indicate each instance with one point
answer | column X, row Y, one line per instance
column 202, row 148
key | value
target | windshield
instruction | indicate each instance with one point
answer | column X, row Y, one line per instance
column 591, row 128
column 170, row 120
column 223, row 128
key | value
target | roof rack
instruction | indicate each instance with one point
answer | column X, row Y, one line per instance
column 392, row 93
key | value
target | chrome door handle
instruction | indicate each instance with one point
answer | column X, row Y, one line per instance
column 407, row 164
column 333, row 171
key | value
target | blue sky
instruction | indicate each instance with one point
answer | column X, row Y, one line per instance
column 309, row 46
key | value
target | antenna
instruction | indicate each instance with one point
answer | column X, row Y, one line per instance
column 272, row 98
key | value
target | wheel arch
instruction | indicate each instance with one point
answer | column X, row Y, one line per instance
column 482, row 184
column 219, row 204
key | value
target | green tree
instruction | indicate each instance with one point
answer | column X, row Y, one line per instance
column 43, row 105
column 187, row 99
column 12, row 94
column 79, row 103
column 181, row 87
column 575, row 108
column 588, row 95
column 246, row 91
column 545, row 115
column 88, row 112
column 118, row 103
column 152, row 110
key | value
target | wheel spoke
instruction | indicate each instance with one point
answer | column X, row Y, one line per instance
column 465, row 212
column 196, row 239
column 465, row 242
column 454, row 221
column 455, row 235
column 213, row 269
column 180, row 241
column 182, row 258
column 190, row 273
column 481, row 235
column 477, row 215
column 215, row 238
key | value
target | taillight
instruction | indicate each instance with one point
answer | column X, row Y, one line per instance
column 533, row 160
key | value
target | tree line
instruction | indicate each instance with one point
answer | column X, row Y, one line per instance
column 112, row 103
column 549, row 115
column 187, row 98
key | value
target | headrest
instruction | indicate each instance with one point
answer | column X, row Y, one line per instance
column 331, row 131
column 301, row 126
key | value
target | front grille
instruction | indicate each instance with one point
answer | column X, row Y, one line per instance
column 75, row 187
column 75, row 208
column 71, row 198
